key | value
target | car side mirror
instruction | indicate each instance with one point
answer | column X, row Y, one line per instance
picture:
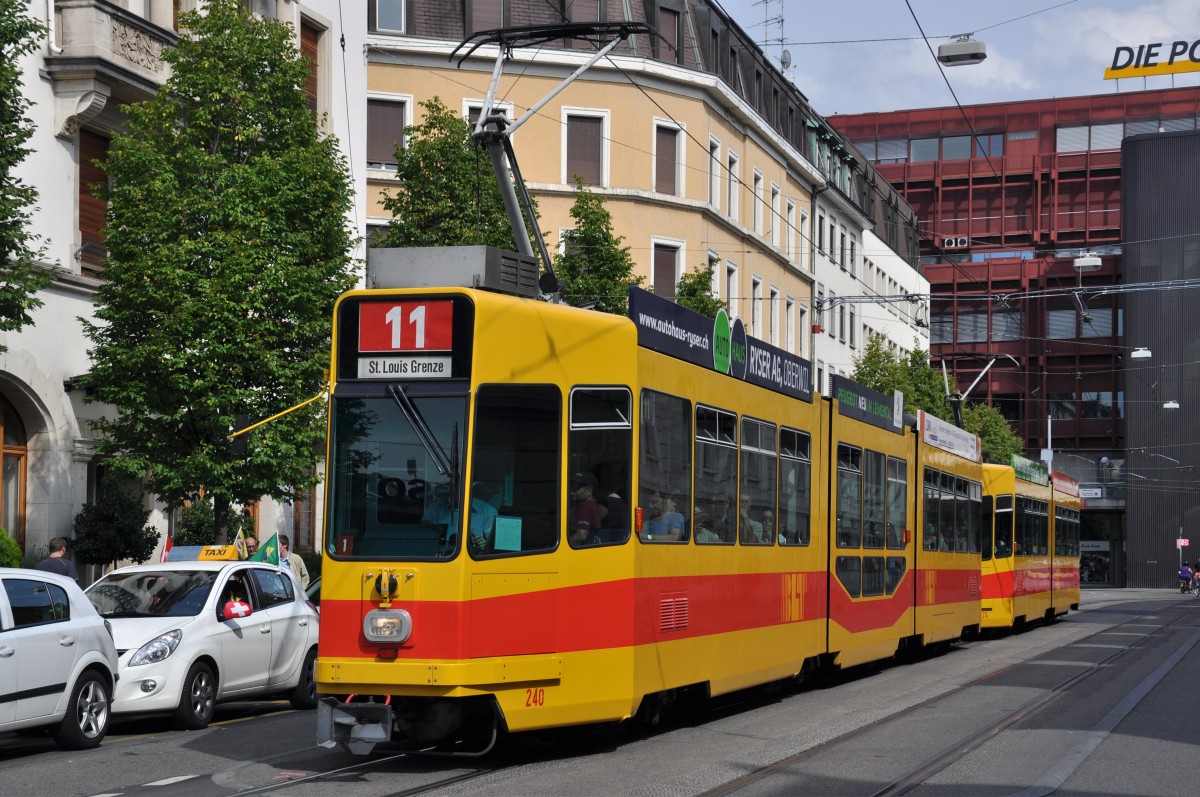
column 237, row 610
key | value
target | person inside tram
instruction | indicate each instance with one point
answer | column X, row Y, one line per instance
column 587, row 514
column 703, row 523
column 750, row 529
column 663, row 523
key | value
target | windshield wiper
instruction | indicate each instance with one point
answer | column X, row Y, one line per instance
column 445, row 468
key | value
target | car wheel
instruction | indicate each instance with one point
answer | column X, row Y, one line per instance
column 198, row 700
column 86, row 721
column 305, row 694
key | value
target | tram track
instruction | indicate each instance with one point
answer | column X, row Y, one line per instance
column 952, row 753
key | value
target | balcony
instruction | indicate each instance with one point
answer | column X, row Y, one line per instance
column 102, row 52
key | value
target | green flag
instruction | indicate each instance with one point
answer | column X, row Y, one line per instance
column 268, row 552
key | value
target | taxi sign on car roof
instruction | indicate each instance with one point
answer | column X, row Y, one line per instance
column 202, row 553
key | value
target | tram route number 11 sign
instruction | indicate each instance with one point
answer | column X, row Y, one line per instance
column 405, row 340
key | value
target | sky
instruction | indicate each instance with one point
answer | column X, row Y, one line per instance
column 1060, row 48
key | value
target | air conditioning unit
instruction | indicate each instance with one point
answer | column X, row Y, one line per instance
column 959, row 242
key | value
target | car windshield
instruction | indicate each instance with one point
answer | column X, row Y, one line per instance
column 152, row 593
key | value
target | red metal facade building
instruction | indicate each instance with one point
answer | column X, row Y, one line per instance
column 1008, row 195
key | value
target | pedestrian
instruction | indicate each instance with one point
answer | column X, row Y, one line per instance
column 286, row 557
column 57, row 562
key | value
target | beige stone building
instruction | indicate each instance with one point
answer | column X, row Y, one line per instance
column 703, row 151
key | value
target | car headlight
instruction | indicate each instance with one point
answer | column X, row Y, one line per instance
column 387, row 625
column 157, row 649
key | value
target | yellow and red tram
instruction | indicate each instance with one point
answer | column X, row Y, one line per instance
column 539, row 516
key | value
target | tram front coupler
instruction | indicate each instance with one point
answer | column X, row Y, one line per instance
column 355, row 727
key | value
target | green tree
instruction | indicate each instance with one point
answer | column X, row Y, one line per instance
column 594, row 266
column 694, row 291
column 448, row 194
column 227, row 247
column 10, row 552
column 998, row 440
column 113, row 527
column 21, row 275
column 924, row 389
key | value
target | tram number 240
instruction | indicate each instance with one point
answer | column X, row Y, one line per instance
column 535, row 698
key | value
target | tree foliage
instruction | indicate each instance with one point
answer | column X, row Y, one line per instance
column 694, row 291
column 594, row 266
column 447, row 193
column 21, row 275
column 10, row 551
column 113, row 527
column 924, row 389
column 227, row 247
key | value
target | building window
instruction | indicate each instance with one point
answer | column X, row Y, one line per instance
column 486, row 14
column 714, row 173
column 842, row 249
column 802, row 321
column 842, row 323
column 12, row 468
column 756, row 314
column 731, row 291
column 668, row 27
column 922, row 150
column 853, row 257
column 776, row 215
column 92, row 207
column 734, row 186
column 956, row 148
column 789, row 323
column 773, row 315
column 386, row 16
column 666, row 160
column 714, row 268
column 386, row 121
column 310, row 47
column 586, row 10
column 853, row 336
column 791, row 231
column 991, row 146
column 821, row 233
column 585, row 149
column 666, row 269
column 758, row 202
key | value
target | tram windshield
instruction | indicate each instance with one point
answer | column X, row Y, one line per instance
column 396, row 487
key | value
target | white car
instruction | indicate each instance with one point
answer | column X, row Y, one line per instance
column 58, row 662
column 192, row 634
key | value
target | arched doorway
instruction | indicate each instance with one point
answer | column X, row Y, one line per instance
column 13, row 458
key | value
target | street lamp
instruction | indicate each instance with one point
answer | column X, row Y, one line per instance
column 1140, row 353
column 1171, row 405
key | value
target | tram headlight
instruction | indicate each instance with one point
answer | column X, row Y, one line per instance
column 387, row 625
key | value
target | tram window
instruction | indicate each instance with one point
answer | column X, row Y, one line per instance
column 599, row 457
column 849, row 572
column 514, row 470
column 716, row 473
column 794, row 487
column 975, row 517
column 896, row 567
column 948, row 523
column 387, row 479
column 933, row 508
column 874, row 488
column 1043, row 528
column 757, row 483
column 872, row 576
column 665, row 473
column 897, row 515
column 986, row 513
column 960, row 515
column 1003, row 528
column 849, row 496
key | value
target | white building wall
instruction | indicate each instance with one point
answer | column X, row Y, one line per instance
column 42, row 356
